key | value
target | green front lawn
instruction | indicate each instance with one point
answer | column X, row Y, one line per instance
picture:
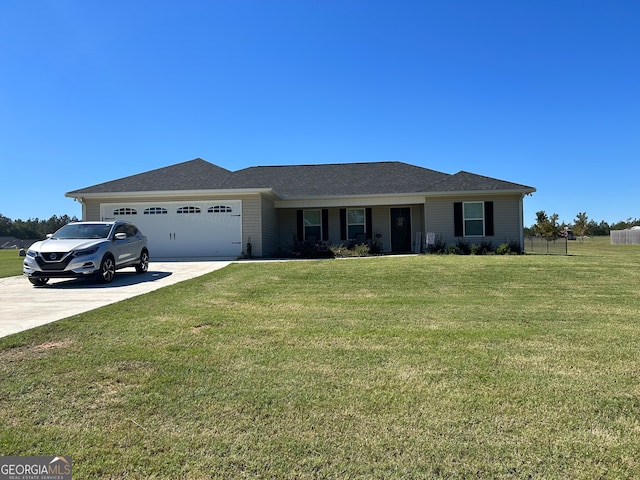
column 391, row 367
column 10, row 263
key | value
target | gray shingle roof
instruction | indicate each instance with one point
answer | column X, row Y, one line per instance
column 465, row 182
column 194, row 174
column 338, row 179
column 296, row 181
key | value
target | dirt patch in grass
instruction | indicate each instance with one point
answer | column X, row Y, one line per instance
column 43, row 347
column 201, row 326
column 20, row 353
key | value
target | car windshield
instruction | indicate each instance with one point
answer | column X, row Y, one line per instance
column 83, row 230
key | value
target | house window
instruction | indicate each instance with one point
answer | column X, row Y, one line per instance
column 189, row 209
column 155, row 211
column 125, row 211
column 473, row 219
column 356, row 223
column 220, row 209
column 313, row 225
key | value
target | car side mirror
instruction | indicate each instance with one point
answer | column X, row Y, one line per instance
column 121, row 236
column 49, row 235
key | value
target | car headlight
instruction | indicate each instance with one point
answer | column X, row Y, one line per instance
column 32, row 253
column 86, row 251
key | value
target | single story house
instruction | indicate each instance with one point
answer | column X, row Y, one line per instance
column 196, row 208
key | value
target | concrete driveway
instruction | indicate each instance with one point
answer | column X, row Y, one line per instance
column 23, row 306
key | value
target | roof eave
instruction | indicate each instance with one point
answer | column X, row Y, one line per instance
column 417, row 194
column 318, row 201
column 173, row 193
column 511, row 191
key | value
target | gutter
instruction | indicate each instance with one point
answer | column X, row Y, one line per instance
column 165, row 194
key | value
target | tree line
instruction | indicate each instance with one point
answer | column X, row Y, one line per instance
column 548, row 226
column 34, row 228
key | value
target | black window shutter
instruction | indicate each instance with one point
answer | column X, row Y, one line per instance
column 369, row 223
column 488, row 219
column 343, row 224
column 300, row 225
column 325, row 224
column 458, row 226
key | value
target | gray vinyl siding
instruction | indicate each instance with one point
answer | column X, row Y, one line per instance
column 506, row 212
column 381, row 226
column 251, row 225
column 286, row 227
column 417, row 223
column 506, row 217
column 270, row 235
column 334, row 226
column 91, row 210
column 439, row 216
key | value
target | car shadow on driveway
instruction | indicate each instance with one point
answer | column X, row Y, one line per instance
column 122, row 279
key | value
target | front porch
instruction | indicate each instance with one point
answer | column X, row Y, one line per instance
column 383, row 228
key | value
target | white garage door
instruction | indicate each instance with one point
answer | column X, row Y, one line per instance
column 184, row 229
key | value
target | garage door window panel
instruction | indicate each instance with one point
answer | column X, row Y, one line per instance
column 188, row 209
column 220, row 209
column 155, row 211
column 125, row 211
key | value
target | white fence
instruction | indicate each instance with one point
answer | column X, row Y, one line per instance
column 625, row 237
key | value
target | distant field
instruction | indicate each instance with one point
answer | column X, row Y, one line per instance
column 391, row 368
column 10, row 263
column 598, row 246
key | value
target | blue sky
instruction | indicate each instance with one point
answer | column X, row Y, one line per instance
column 543, row 93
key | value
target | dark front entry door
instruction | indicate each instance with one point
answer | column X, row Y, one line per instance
column 401, row 229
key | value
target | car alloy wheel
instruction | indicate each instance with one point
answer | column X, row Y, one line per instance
column 39, row 281
column 143, row 266
column 107, row 270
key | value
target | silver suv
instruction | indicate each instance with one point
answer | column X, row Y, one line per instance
column 87, row 249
